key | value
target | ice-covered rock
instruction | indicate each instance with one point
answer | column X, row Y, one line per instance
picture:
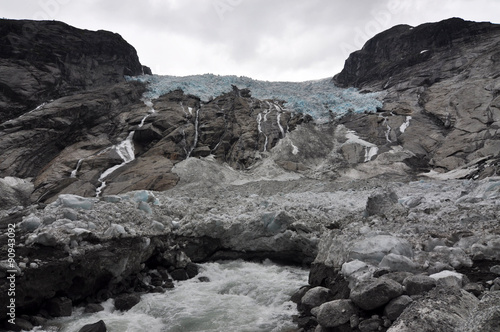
column 352, row 267
column 395, row 262
column 30, row 223
column 45, row 239
column 115, row 230
column 5, row 266
column 144, row 206
column 315, row 98
column 449, row 279
column 453, row 256
column 374, row 249
column 14, row 191
column 75, row 202
column 489, row 249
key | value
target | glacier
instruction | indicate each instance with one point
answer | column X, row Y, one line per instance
column 321, row 99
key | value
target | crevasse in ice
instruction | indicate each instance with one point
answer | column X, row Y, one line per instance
column 315, row 98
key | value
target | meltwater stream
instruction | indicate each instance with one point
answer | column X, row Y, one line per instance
column 240, row 296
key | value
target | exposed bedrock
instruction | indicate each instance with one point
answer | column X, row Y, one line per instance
column 439, row 83
column 45, row 60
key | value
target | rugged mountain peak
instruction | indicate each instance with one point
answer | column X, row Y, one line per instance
column 43, row 60
column 441, row 90
column 390, row 57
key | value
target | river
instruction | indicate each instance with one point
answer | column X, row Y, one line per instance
column 240, row 296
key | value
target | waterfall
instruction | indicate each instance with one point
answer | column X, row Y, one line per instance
column 73, row 173
column 405, row 125
column 124, row 149
column 195, row 133
column 278, row 118
column 259, row 128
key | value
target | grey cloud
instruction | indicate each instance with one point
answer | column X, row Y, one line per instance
column 297, row 35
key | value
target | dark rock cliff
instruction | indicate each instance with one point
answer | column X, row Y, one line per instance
column 65, row 106
column 441, row 81
column 431, row 52
column 44, row 60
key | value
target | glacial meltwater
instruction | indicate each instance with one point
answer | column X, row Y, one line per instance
column 239, row 296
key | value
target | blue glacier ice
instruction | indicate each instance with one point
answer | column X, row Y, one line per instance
column 315, row 98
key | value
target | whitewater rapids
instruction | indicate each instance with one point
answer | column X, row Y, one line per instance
column 240, row 296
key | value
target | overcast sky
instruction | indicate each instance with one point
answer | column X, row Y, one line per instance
column 275, row 40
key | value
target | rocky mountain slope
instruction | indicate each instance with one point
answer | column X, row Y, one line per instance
column 115, row 185
column 41, row 61
column 445, row 77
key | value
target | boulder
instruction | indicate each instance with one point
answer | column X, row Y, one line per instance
column 486, row 316
column 381, row 203
column 60, row 307
column 100, row 326
column 335, row 313
column 374, row 249
column 419, row 284
column 394, row 262
column 396, row 307
column 315, row 297
column 93, row 308
column 449, row 279
column 445, row 310
column 126, row 301
column 373, row 294
column 371, row 325
column 21, row 325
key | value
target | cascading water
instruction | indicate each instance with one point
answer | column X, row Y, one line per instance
column 75, row 171
column 259, row 128
column 405, row 125
column 195, row 142
column 124, row 149
column 240, row 296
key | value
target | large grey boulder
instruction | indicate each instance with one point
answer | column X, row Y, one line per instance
column 444, row 310
column 381, row 202
column 486, row 316
column 99, row 326
column 335, row 313
column 125, row 302
column 419, row 284
column 315, row 297
column 374, row 294
column 396, row 307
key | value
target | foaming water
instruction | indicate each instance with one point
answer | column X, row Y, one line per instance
column 240, row 296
